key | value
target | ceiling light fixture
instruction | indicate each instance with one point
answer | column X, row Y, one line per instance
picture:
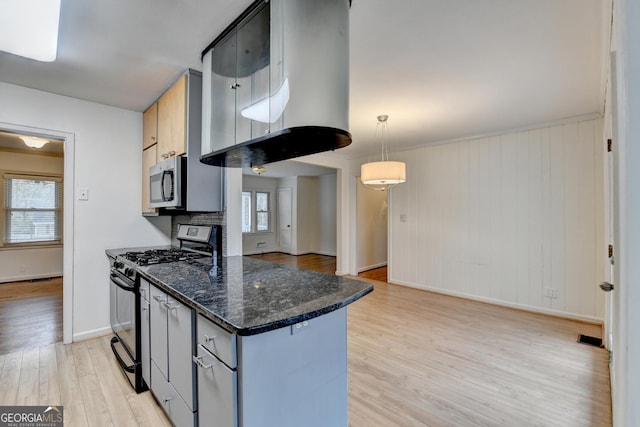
column 29, row 28
column 384, row 174
column 34, row 141
column 259, row 169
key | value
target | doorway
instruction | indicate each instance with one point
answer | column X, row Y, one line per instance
column 52, row 272
column 371, row 232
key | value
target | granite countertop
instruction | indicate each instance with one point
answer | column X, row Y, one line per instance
column 248, row 296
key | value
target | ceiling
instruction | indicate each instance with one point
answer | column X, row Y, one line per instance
column 440, row 69
column 12, row 142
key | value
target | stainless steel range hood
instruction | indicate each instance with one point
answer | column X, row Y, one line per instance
column 276, row 84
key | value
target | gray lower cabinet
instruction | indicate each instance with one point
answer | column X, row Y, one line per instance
column 145, row 341
column 288, row 377
column 215, row 363
column 172, row 371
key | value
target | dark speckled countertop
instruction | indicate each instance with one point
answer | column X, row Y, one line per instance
column 247, row 296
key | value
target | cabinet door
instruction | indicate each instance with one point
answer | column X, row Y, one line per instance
column 158, row 322
column 172, row 120
column 253, row 109
column 145, row 350
column 148, row 159
column 221, row 120
column 150, row 126
column 217, row 391
column 180, row 349
column 170, row 400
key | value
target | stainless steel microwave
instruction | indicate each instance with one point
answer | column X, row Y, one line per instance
column 167, row 183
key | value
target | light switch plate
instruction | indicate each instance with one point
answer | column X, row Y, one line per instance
column 83, row 193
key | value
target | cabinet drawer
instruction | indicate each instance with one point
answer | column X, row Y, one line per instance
column 217, row 391
column 218, row 341
column 170, row 400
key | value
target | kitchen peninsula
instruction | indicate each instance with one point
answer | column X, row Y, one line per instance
column 263, row 344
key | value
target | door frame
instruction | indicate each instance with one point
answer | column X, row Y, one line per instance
column 68, row 196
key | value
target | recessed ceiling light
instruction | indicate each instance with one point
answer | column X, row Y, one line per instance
column 29, row 28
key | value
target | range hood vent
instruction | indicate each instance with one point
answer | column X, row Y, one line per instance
column 276, row 84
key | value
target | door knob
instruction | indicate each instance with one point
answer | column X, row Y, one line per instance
column 606, row 286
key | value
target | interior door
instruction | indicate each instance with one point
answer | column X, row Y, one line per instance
column 285, row 232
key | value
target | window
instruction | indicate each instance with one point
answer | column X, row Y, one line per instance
column 255, row 210
column 32, row 209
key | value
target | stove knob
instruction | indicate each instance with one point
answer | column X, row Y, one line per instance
column 118, row 264
column 129, row 272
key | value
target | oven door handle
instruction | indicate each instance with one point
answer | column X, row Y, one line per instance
column 130, row 369
column 121, row 284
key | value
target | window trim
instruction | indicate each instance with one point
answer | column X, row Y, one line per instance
column 11, row 174
column 254, row 212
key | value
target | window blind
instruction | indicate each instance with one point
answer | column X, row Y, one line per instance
column 32, row 209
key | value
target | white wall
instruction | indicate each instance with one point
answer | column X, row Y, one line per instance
column 30, row 263
column 308, row 215
column 250, row 240
column 327, row 197
column 371, row 227
column 503, row 218
column 314, row 214
column 107, row 161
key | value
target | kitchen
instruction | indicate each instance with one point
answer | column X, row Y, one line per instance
column 109, row 137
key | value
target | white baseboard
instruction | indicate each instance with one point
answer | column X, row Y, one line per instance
column 87, row 335
column 372, row 266
column 29, row 277
column 524, row 307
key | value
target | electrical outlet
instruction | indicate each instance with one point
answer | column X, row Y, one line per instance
column 550, row 293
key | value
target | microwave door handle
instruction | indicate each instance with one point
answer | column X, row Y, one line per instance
column 164, row 175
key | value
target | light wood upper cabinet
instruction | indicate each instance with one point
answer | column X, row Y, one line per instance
column 150, row 126
column 148, row 159
column 172, row 120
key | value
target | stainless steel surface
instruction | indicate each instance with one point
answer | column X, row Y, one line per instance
column 287, row 65
column 166, row 183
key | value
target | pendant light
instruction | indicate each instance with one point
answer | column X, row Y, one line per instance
column 384, row 174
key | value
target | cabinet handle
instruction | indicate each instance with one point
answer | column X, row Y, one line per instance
column 235, row 86
column 170, row 306
column 198, row 361
column 207, row 338
column 166, row 400
column 153, row 138
column 160, row 298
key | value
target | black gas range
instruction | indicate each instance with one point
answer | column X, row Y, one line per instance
column 196, row 242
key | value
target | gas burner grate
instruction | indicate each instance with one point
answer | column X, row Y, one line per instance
column 159, row 256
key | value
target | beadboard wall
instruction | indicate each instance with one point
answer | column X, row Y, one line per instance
column 506, row 219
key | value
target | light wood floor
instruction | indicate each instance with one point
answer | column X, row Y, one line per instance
column 415, row 359
column 30, row 314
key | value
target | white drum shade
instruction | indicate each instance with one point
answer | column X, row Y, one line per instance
column 383, row 175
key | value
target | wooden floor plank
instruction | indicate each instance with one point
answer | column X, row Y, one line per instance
column 70, row 392
column 29, row 385
column 10, row 378
column 30, row 314
column 113, row 384
column 95, row 401
column 49, row 384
